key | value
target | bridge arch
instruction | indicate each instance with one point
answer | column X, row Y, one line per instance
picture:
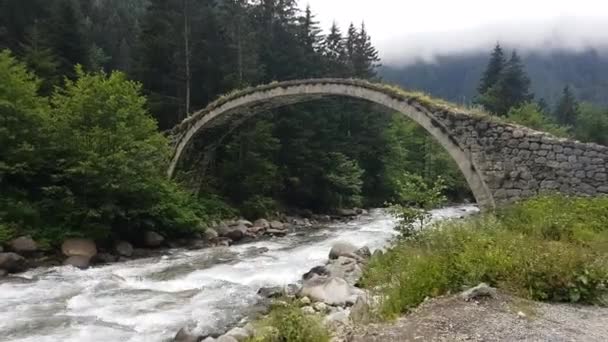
column 281, row 94
column 501, row 162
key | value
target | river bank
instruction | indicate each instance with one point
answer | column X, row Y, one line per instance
column 24, row 252
column 209, row 290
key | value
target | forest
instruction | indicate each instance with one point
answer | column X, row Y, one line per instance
column 87, row 87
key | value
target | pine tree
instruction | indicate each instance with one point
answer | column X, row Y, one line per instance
column 309, row 38
column 493, row 71
column 155, row 62
column 511, row 90
column 567, row 109
column 365, row 58
column 40, row 59
column 334, row 53
column 352, row 37
column 66, row 37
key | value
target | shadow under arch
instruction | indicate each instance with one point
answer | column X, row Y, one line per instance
column 258, row 99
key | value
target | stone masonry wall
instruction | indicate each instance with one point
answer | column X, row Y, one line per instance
column 517, row 162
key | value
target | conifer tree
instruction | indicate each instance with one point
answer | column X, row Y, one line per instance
column 511, row 90
column 334, row 53
column 365, row 58
column 567, row 109
column 492, row 73
column 66, row 37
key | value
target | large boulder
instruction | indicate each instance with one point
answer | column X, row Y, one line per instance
column 261, row 223
column 184, row 335
column 123, row 248
column 226, row 338
column 364, row 252
column 361, row 312
column 240, row 334
column 234, row 233
column 316, row 271
column 345, row 268
column 343, row 249
column 12, row 262
column 153, row 239
column 276, row 232
column 330, row 290
column 347, row 212
column 23, row 245
column 245, row 223
column 277, row 225
column 79, row 247
column 79, row 261
column 210, row 234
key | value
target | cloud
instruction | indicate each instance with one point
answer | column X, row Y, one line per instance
column 564, row 33
column 407, row 31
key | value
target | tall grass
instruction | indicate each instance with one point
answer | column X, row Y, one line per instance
column 550, row 248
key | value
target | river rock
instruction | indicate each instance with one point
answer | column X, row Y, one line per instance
column 337, row 319
column 12, row 262
column 360, row 313
column 345, row 268
column 79, row 261
column 239, row 334
column 3, row 273
column 271, row 292
column 320, row 307
column 343, row 249
column 347, row 212
column 79, row 247
column 153, row 239
column 245, row 223
column 317, row 270
column 210, row 234
column 364, row 252
column 330, row 290
column 481, row 290
column 23, row 245
column 276, row 232
column 277, row 225
column 226, row 338
column 1, row 249
column 184, row 335
column 261, row 223
column 308, row 310
column 106, row 258
column 123, row 248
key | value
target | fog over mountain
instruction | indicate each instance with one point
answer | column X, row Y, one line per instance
column 406, row 32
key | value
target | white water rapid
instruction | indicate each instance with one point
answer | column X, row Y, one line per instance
column 151, row 299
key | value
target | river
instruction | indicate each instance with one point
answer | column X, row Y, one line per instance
column 151, row 299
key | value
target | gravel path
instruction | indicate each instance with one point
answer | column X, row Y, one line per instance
column 504, row 318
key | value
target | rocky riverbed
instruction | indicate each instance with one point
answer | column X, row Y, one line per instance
column 207, row 291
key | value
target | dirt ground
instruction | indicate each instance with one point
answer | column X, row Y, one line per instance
column 503, row 318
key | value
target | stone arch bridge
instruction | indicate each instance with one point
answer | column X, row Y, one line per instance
column 501, row 162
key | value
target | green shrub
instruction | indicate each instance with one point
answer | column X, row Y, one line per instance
column 290, row 324
column 521, row 250
column 259, row 206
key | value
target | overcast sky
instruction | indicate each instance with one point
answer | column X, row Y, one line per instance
column 407, row 30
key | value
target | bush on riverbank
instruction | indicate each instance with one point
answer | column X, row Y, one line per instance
column 86, row 162
column 549, row 248
column 290, row 323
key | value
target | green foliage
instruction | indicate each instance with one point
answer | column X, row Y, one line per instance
column 531, row 115
column 592, row 124
column 549, row 248
column 258, row 207
column 415, row 199
column 493, row 71
column 567, row 109
column 90, row 164
column 341, row 181
column 512, row 88
column 290, row 324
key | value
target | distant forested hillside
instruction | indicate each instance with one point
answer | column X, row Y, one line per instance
column 457, row 77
